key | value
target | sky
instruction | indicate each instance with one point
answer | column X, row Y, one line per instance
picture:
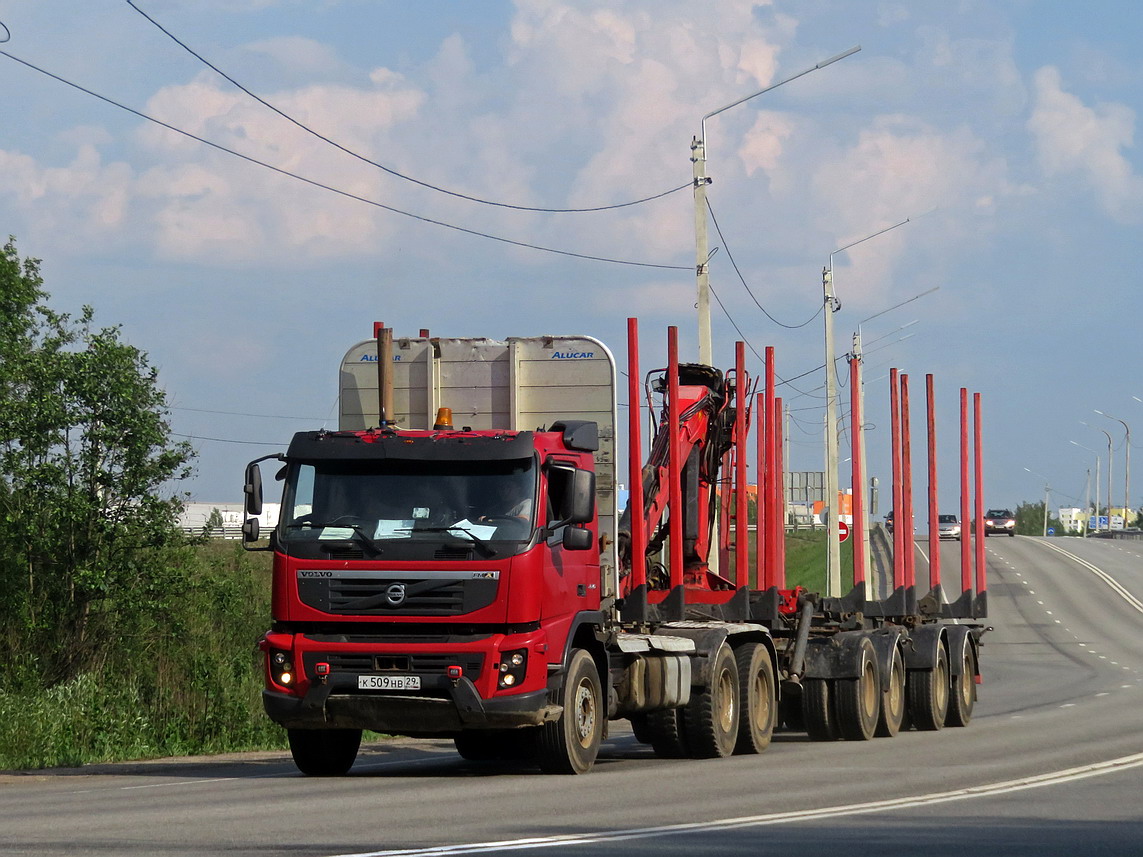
column 1002, row 131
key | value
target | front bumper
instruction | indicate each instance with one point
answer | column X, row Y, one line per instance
column 452, row 707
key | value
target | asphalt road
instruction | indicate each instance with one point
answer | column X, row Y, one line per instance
column 1052, row 764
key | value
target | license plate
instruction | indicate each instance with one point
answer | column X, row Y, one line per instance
column 388, row 682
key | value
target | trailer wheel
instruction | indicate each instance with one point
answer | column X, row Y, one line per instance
column 893, row 699
column 757, row 703
column 962, row 698
column 710, row 719
column 858, row 700
column 665, row 733
column 570, row 744
column 324, row 752
column 927, row 692
column 817, row 710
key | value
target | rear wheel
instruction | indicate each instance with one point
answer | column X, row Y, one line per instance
column 962, row 698
column 817, row 710
column 893, row 699
column 927, row 692
column 665, row 733
column 324, row 752
column 758, row 707
column 570, row 744
column 858, row 700
column 710, row 720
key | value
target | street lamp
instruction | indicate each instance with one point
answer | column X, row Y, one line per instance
column 1047, row 493
column 698, row 159
column 1087, row 499
column 1127, row 469
column 1110, row 467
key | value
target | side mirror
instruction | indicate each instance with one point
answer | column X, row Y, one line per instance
column 577, row 539
column 253, row 490
column 251, row 530
column 581, row 497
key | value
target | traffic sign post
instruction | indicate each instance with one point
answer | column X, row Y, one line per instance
column 842, row 531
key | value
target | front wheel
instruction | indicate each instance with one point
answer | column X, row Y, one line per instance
column 570, row 744
column 324, row 752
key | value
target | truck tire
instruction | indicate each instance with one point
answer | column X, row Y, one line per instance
column 640, row 729
column 665, row 733
column 892, row 714
column 858, row 700
column 710, row 719
column 817, row 710
column 570, row 744
column 962, row 695
column 757, row 701
column 324, row 752
column 927, row 694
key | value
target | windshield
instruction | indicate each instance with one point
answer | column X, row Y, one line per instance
column 947, row 519
column 389, row 502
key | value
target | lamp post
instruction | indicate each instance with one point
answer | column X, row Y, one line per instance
column 1110, row 467
column 1047, row 493
column 698, row 159
column 1126, row 469
column 1087, row 499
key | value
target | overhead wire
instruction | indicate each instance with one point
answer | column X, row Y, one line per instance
column 339, row 191
column 742, row 279
column 182, row 44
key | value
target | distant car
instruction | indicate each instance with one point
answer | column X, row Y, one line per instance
column 999, row 521
column 948, row 527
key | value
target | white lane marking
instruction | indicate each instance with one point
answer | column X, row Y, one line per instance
column 1101, row 574
column 1054, row 778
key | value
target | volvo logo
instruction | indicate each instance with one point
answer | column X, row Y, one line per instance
column 395, row 594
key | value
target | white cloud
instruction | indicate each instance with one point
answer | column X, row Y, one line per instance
column 1073, row 139
column 901, row 168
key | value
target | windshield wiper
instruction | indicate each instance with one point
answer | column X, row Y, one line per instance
column 357, row 529
column 485, row 548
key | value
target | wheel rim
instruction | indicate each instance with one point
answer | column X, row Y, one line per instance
column 761, row 693
column 869, row 690
column 941, row 684
column 585, row 714
column 726, row 695
column 967, row 680
column 895, row 698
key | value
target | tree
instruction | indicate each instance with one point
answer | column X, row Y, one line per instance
column 85, row 453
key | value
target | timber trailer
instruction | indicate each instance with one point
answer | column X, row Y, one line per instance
column 478, row 582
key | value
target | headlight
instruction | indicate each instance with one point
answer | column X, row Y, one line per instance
column 281, row 667
column 513, row 666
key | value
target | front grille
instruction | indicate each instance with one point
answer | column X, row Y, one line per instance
column 395, row 594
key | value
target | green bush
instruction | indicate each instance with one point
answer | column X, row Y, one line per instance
column 182, row 679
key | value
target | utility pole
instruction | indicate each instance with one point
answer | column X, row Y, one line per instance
column 833, row 530
column 702, row 254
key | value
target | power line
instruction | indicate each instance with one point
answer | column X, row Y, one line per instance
column 338, row 191
column 241, row 414
column 380, row 166
column 743, row 279
column 228, row 440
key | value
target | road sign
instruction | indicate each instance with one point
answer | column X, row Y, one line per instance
column 842, row 531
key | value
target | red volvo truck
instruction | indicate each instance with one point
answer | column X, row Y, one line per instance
column 451, row 562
